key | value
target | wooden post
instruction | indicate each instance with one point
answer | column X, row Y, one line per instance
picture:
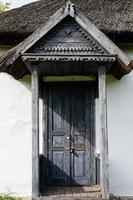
column 35, row 133
column 104, row 171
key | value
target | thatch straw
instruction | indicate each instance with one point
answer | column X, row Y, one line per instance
column 111, row 16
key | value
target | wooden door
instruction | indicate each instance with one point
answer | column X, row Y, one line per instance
column 80, row 136
column 70, row 134
column 58, row 132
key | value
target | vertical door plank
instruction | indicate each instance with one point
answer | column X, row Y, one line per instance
column 83, row 134
column 104, row 134
column 58, row 131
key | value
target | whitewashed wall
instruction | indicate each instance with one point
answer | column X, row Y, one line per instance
column 15, row 134
column 120, row 127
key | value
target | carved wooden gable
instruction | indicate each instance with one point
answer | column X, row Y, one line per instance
column 68, row 37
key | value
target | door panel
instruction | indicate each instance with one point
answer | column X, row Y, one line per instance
column 79, row 161
column 69, row 147
column 78, row 110
column 58, row 129
column 80, row 136
column 58, row 161
column 58, row 141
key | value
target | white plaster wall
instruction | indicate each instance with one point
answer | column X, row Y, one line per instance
column 15, row 135
column 120, row 129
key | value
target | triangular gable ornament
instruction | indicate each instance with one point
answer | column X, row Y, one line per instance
column 66, row 38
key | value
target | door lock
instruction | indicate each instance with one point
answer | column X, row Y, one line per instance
column 67, row 149
column 70, row 149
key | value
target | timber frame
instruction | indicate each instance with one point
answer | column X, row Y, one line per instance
column 104, row 168
column 99, row 58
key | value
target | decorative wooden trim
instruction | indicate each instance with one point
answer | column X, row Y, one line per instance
column 104, row 178
column 70, row 8
column 35, row 133
column 65, row 58
column 68, row 78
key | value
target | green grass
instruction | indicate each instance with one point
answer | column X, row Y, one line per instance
column 9, row 197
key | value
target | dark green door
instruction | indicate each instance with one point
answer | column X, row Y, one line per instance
column 70, row 134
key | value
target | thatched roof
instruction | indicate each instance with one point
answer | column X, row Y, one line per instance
column 111, row 16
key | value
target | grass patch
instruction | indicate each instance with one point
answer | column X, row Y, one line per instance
column 9, row 197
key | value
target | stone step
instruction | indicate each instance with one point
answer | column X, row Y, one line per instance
column 71, row 193
column 68, row 198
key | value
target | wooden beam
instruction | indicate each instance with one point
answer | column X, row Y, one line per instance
column 104, row 178
column 68, row 78
column 35, row 133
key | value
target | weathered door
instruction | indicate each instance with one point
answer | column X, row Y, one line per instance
column 70, row 134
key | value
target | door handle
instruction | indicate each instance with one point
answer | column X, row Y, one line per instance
column 67, row 148
column 70, row 149
column 68, row 138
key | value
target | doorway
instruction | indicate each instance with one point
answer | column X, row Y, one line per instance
column 69, row 136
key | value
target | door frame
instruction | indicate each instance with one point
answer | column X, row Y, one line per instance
column 45, row 127
column 104, row 162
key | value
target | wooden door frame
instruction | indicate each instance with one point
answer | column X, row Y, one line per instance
column 103, row 132
column 104, row 162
